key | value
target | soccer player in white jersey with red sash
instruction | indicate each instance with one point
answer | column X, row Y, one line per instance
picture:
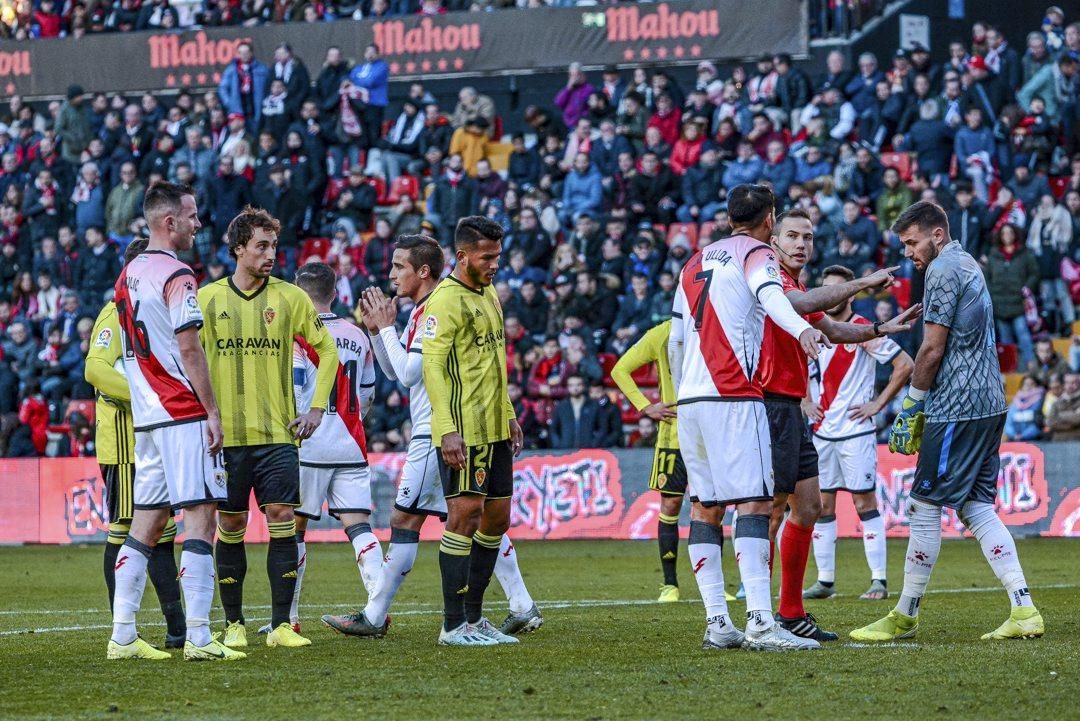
column 841, row 408
column 177, row 424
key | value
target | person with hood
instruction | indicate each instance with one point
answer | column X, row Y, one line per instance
column 1012, row 276
column 1023, row 419
column 1050, row 239
column 72, row 126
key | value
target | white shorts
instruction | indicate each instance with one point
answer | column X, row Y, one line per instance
column 173, row 468
column 346, row 489
column 420, row 491
column 725, row 446
column 847, row 465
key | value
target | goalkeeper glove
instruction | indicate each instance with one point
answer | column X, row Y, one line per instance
column 906, row 434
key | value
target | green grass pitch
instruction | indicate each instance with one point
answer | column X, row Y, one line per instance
column 605, row 651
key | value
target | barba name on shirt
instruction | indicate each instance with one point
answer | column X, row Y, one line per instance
column 349, row 344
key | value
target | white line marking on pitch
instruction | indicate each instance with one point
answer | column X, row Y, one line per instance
column 432, row 610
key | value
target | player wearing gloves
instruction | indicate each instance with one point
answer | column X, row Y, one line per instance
column 957, row 389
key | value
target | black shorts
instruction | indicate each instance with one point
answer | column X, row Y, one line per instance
column 272, row 471
column 794, row 456
column 668, row 472
column 119, row 490
column 958, row 462
column 489, row 471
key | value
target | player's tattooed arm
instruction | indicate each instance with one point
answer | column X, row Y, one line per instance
column 829, row 296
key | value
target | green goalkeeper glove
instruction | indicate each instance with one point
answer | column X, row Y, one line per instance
column 906, row 434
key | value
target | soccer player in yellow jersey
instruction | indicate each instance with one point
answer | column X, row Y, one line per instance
column 251, row 320
column 115, row 443
column 474, row 427
column 668, row 472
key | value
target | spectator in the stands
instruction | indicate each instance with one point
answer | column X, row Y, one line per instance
column 1023, row 420
column 1012, row 274
column 975, row 149
column 582, row 190
column 667, row 119
column 243, row 85
column 1050, row 238
column 1035, row 57
column 968, row 220
column 1063, row 421
column 1047, row 362
column 372, row 79
column 746, row 168
column 575, row 421
column 687, row 149
column 861, row 89
column 573, row 98
column 701, row 187
column 779, row 168
column 1002, row 59
column 1028, row 187
column 931, row 139
column 631, row 121
column 987, row 92
column 858, row 227
column 894, row 198
column 604, row 150
column 454, row 197
column 653, row 191
column 292, row 72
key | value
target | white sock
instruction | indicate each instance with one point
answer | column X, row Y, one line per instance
column 825, row 548
column 509, row 575
column 368, row 555
column 130, row 583
column 301, row 565
column 705, row 554
column 873, row 539
column 400, row 557
column 197, row 583
column 999, row 548
column 752, row 551
column 924, row 544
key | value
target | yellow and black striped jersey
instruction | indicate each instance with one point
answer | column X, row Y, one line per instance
column 650, row 348
column 465, row 363
column 248, row 338
column 114, row 436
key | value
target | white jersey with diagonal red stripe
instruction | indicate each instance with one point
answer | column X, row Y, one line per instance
column 155, row 300
column 723, row 322
column 339, row 440
column 843, row 377
column 419, row 403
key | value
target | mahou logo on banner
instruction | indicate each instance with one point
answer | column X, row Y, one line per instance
column 428, row 46
column 14, row 65
column 198, row 60
column 660, row 32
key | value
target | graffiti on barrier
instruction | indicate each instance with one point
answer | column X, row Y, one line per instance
column 567, row 496
column 85, row 508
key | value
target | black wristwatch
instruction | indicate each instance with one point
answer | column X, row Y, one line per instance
column 877, row 329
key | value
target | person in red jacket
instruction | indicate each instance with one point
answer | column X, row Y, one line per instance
column 48, row 20
column 687, row 150
column 34, row 412
column 667, row 119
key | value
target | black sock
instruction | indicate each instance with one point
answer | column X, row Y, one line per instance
column 162, row 572
column 482, row 558
column 454, row 554
column 826, row 584
column 112, row 550
column 281, row 560
column 667, row 533
column 231, row 557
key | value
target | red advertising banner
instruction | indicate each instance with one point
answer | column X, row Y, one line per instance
column 559, row 495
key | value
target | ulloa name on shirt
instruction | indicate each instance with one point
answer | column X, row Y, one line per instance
column 720, row 255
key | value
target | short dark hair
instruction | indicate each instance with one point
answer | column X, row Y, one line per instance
column 472, row 229
column 422, row 251
column 784, row 58
column 242, row 228
column 924, row 215
column 164, row 197
column 963, row 186
column 750, row 203
column 318, row 280
column 134, row 248
column 793, row 213
column 839, row 271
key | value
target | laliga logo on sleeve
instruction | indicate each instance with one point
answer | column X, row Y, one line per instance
column 104, row 339
column 192, row 302
column 431, row 326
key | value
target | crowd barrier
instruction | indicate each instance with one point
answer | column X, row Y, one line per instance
column 507, row 41
column 586, row 494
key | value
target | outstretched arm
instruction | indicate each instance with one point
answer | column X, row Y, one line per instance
column 829, row 296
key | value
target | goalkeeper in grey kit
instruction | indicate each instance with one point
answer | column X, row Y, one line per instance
column 952, row 418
